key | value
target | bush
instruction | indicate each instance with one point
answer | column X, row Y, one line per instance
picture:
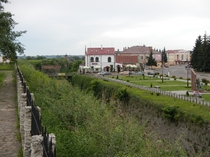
column 205, row 81
column 180, row 77
column 174, row 77
column 170, row 112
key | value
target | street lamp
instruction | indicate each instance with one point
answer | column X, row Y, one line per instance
column 187, row 75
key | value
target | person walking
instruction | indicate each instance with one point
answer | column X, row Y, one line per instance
column 199, row 95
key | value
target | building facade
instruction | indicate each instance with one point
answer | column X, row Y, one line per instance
column 137, row 55
column 176, row 57
column 101, row 59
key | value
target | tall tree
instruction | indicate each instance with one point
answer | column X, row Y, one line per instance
column 151, row 61
column 195, row 56
column 200, row 56
column 9, row 45
column 164, row 56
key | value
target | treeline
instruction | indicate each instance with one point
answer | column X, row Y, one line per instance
column 200, row 57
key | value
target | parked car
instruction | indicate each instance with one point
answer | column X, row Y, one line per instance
column 139, row 73
column 107, row 73
column 124, row 72
column 131, row 73
column 104, row 73
column 150, row 73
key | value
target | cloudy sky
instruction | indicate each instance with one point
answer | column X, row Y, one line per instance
column 59, row 27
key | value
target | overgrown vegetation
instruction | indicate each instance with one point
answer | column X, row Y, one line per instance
column 85, row 126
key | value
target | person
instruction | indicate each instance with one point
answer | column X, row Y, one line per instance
column 199, row 95
column 194, row 93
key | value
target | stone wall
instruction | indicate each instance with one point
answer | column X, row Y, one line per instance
column 31, row 145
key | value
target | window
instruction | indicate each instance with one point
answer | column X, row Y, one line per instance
column 91, row 59
column 109, row 59
column 186, row 57
column 97, row 59
column 182, row 57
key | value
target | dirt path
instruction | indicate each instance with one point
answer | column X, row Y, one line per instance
column 9, row 145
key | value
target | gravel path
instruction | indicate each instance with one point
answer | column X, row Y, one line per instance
column 9, row 145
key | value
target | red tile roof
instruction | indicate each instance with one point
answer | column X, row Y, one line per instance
column 126, row 59
column 137, row 50
column 100, row 51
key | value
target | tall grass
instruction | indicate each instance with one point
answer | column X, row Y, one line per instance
column 86, row 127
column 6, row 66
column 2, row 77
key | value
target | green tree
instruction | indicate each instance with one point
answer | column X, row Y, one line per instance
column 9, row 46
column 200, row 57
column 195, row 53
column 151, row 61
column 164, row 56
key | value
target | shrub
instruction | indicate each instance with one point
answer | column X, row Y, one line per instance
column 123, row 95
column 187, row 93
column 205, row 81
column 180, row 77
column 151, row 85
column 117, row 77
column 174, row 77
column 170, row 112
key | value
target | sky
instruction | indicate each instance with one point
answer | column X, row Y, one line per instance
column 60, row 27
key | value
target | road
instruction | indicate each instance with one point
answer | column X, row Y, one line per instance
column 181, row 71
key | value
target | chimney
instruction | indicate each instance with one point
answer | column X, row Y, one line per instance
column 150, row 48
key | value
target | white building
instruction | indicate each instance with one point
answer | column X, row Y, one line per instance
column 101, row 59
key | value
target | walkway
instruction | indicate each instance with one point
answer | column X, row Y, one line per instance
column 9, row 145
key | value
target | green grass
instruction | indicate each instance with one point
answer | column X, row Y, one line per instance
column 166, row 85
column 206, row 97
column 6, row 66
column 84, row 126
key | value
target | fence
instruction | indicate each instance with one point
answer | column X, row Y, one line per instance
column 196, row 100
column 35, row 140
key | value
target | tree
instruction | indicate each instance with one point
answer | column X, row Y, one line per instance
column 151, row 61
column 196, row 52
column 164, row 56
column 200, row 56
column 9, row 46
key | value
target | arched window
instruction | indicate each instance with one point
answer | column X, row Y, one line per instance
column 91, row 59
column 109, row 59
column 97, row 59
column 182, row 57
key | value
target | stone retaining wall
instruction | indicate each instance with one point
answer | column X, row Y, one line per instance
column 31, row 145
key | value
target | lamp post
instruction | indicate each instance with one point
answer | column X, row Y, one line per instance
column 187, row 75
